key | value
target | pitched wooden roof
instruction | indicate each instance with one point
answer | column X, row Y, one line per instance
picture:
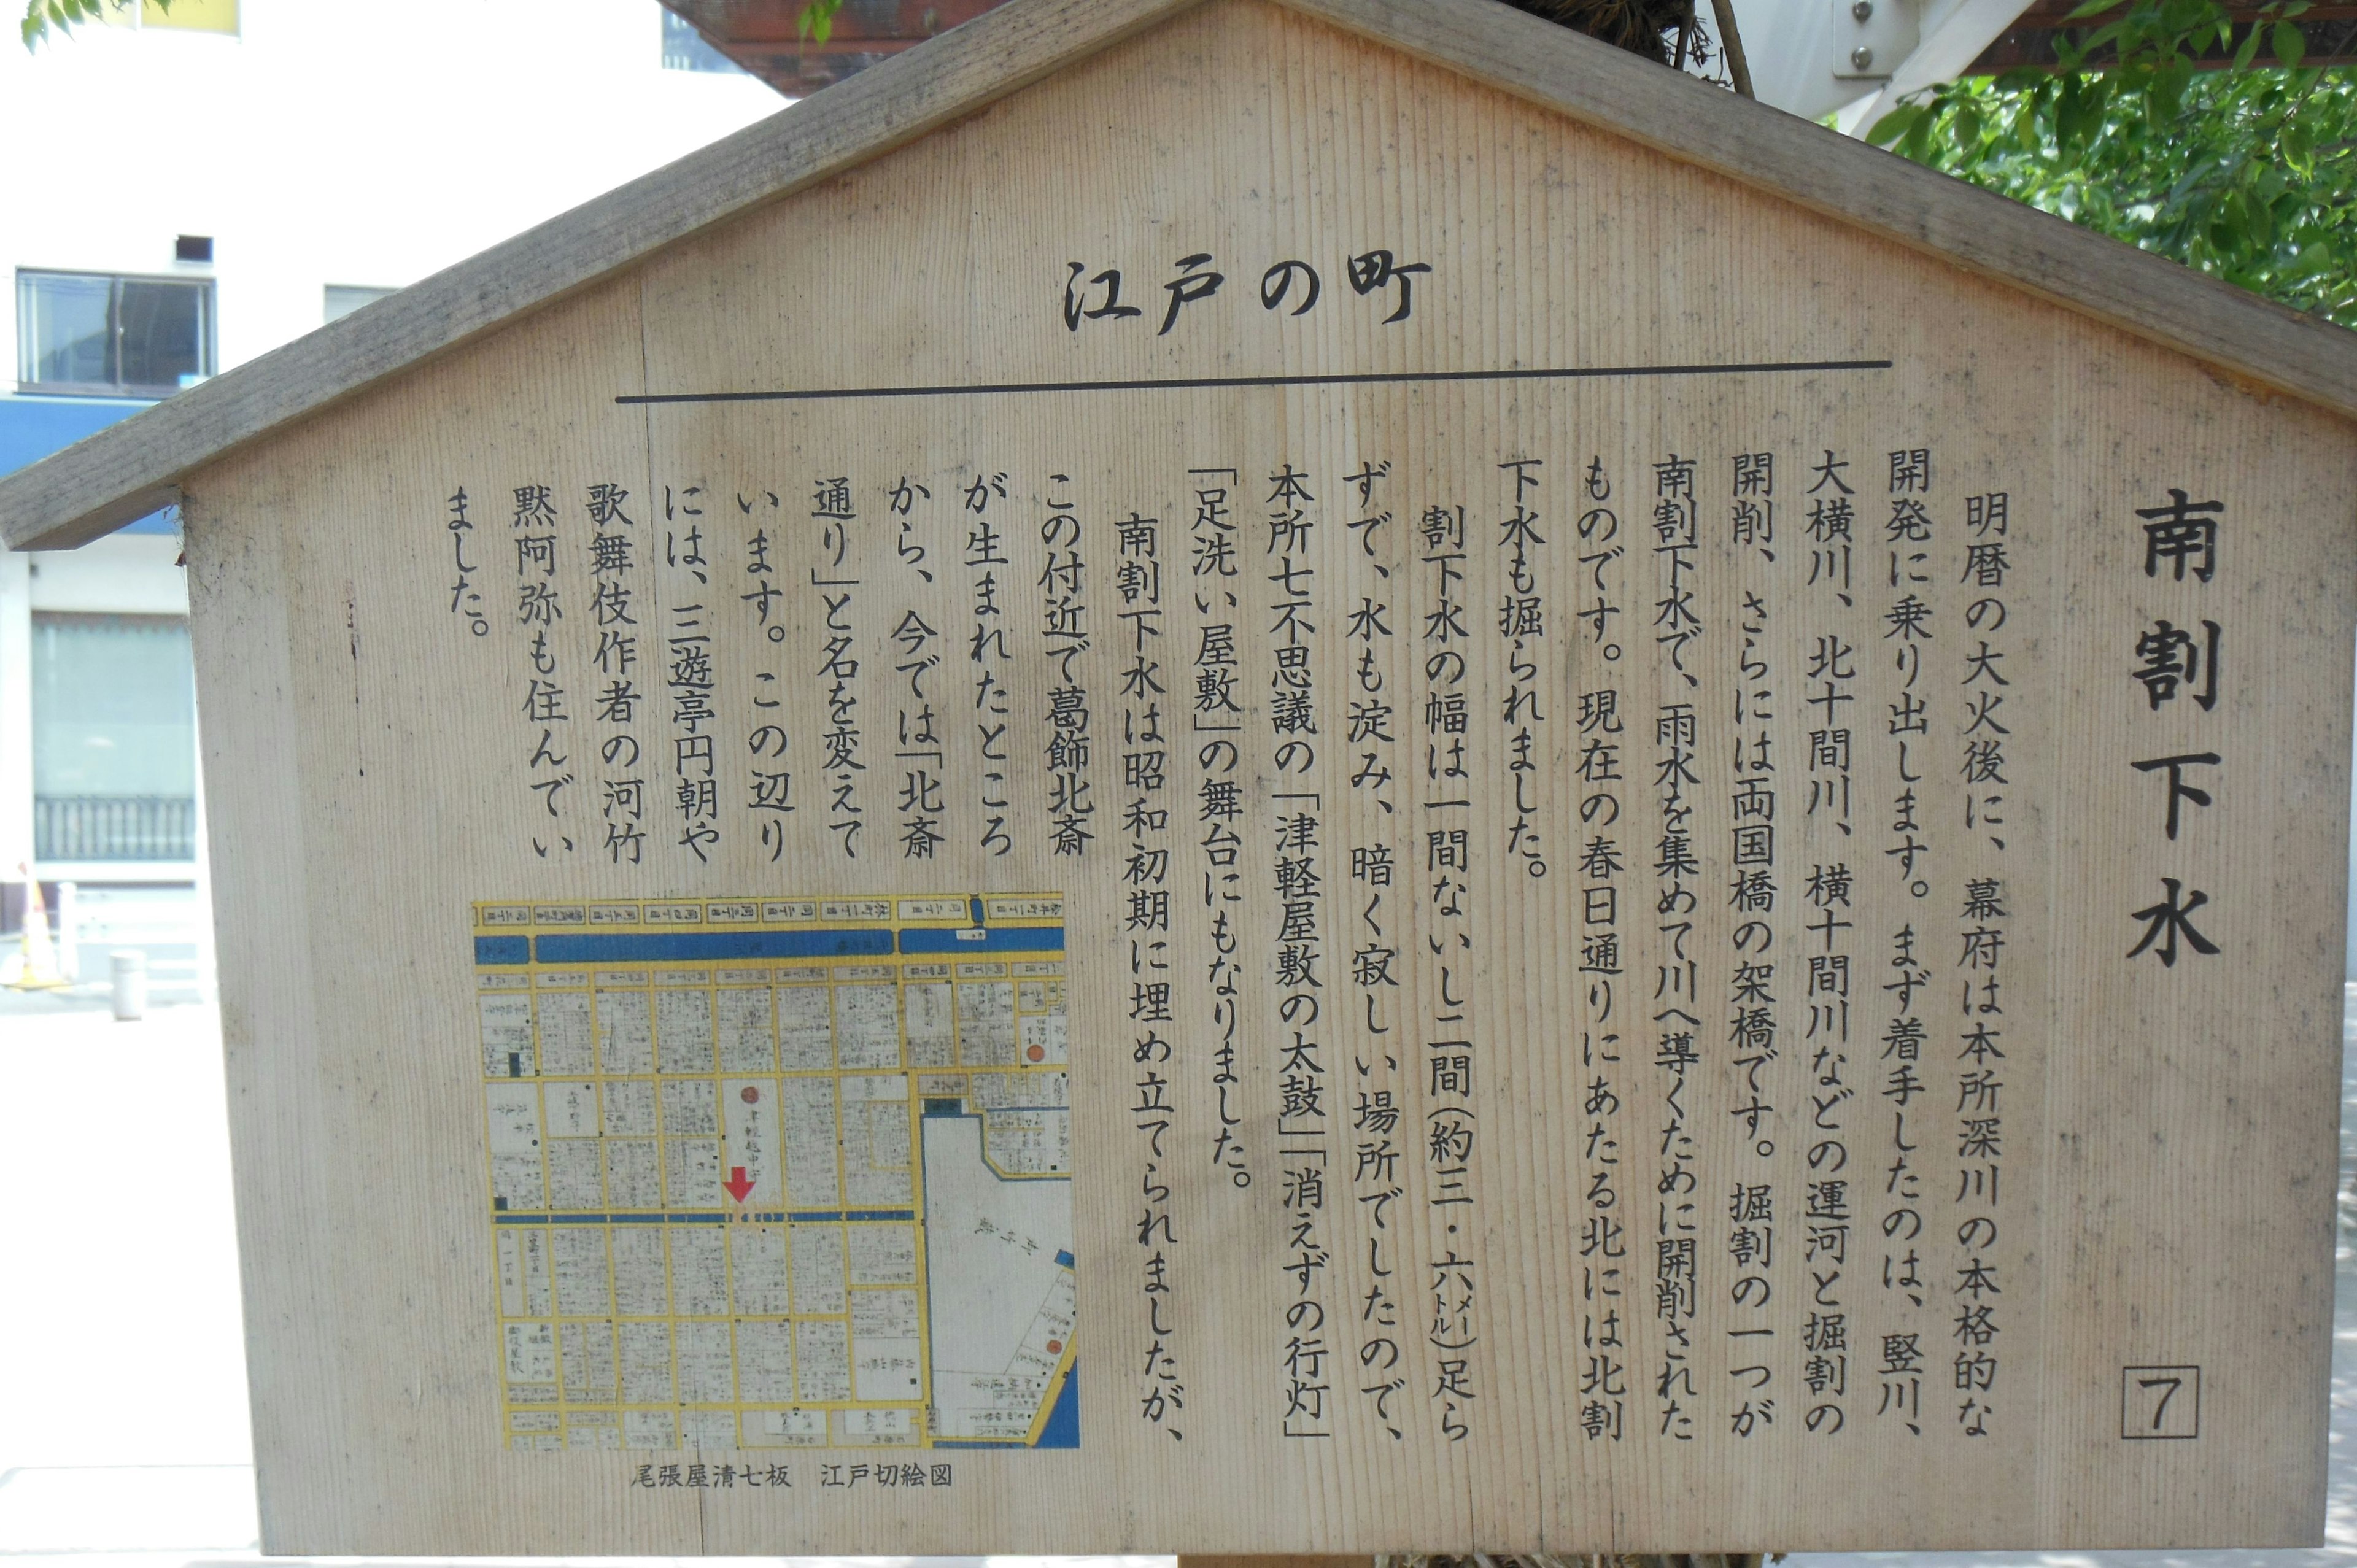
column 132, row 468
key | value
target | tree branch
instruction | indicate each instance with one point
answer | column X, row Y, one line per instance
column 1730, row 43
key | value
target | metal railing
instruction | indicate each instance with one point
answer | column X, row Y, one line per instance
column 114, row 827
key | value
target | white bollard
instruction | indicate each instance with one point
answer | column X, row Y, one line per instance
column 130, row 967
column 70, row 929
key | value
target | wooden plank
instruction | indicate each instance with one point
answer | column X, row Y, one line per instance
column 294, row 646
column 2163, row 1134
column 129, row 469
column 286, row 1163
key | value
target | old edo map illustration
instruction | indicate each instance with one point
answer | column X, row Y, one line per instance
column 776, row 1173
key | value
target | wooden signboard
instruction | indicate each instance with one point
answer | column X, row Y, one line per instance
column 1278, row 778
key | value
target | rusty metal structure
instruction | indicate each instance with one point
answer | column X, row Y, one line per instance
column 2330, row 30
column 765, row 37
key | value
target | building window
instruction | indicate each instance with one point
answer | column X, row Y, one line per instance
column 123, row 337
column 343, row 298
column 114, row 738
column 684, row 48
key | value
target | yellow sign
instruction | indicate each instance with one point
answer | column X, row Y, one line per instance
column 191, row 15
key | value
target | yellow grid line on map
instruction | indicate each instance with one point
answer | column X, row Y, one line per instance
column 574, row 1415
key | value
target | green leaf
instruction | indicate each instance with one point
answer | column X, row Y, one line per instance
column 817, row 19
column 1896, row 123
column 2290, row 44
column 2247, row 173
column 2179, row 18
column 2258, row 222
column 2079, row 111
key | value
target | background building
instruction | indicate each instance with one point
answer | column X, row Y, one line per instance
column 274, row 164
column 265, row 166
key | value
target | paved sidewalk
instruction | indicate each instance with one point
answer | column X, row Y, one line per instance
column 115, row 1154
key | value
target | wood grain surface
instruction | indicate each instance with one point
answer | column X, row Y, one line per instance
column 128, row 471
column 2161, row 1136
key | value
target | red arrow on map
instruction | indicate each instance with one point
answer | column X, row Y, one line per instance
column 738, row 1184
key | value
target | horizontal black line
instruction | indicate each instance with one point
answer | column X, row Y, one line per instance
column 1402, row 378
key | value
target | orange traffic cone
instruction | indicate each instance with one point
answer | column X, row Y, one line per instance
column 40, row 968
